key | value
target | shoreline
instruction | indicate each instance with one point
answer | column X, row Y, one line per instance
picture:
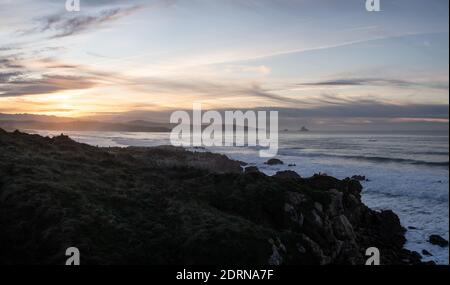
column 415, row 185
column 321, row 214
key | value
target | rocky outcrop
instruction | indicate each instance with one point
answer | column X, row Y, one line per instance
column 251, row 169
column 359, row 177
column 274, row 161
column 166, row 205
column 438, row 240
column 288, row 174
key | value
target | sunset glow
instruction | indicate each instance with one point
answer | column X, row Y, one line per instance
column 159, row 55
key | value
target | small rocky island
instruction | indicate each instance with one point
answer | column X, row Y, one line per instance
column 166, row 205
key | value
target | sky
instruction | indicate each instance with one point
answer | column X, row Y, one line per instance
column 322, row 63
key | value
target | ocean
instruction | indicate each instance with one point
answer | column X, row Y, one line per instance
column 407, row 173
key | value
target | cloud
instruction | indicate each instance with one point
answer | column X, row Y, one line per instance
column 22, row 86
column 332, row 99
column 207, row 89
column 64, row 25
column 6, row 77
column 420, row 120
column 361, row 109
column 6, row 48
column 377, row 82
column 53, row 63
column 260, row 70
column 16, row 79
column 95, row 3
column 9, row 63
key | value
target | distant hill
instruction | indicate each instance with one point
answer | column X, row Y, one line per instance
column 36, row 122
column 32, row 117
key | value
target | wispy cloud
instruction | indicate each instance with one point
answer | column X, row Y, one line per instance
column 420, row 120
column 361, row 109
column 5, row 77
column 7, row 48
column 377, row 82
column 9, row 62
column 209, row 89
column 47, row 84
column 64, row 25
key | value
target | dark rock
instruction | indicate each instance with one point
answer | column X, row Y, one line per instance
column 412, row 228
column 413, row 258
column 166, row 205
column 359, row 178
column 431, row 263
column 251, row 169
column 274, row 161
column 438, row 240
column 426, row 252
column 292, row 165
column 63, row 139
column 199, row 148
column 391, row 229
column 243, row 163
column 288, row 174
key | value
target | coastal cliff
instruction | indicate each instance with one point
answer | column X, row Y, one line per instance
column 167, row 205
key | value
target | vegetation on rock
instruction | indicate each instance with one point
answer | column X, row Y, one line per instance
column 166, row 205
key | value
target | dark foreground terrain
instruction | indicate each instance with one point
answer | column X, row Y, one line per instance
column 166, row 205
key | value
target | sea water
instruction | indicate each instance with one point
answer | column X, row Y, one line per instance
column 407, row 173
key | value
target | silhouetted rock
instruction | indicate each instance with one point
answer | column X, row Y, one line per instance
column 359, row 178
column 274, row 161
column 438, row 240
column 251, row 169
column 243, row 163
column 288, row 174
column 426, row 252
column 166, row 205
column 430, row 263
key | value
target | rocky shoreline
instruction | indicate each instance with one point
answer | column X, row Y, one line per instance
column 167, row 205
